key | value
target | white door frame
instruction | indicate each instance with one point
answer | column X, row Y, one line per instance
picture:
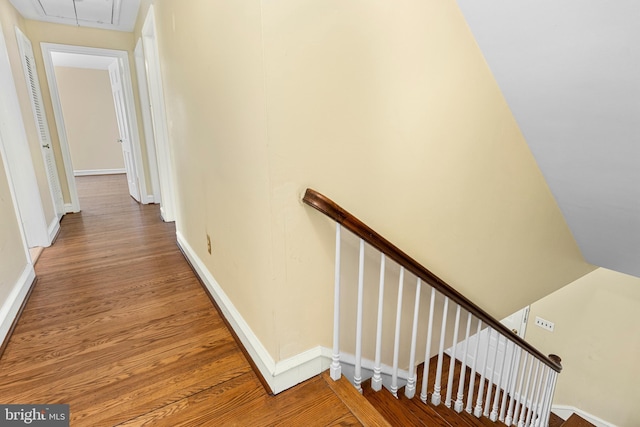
column 147, row 122
column 156, row 95
column 14, row 148
column 123, row 57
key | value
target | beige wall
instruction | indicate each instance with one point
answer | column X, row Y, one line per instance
column 90, row 37
column 90, row 119
column 597, row 334
column 13, row 258
column 10, row 19
column 389, row 109
column 12, row 251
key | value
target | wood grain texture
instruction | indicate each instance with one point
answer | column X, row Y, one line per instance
column 334, row 211
column 119, row 327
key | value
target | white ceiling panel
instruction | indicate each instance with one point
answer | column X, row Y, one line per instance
column 116, row 15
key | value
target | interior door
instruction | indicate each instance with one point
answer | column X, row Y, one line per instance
column 123, row 128
column 29, row 64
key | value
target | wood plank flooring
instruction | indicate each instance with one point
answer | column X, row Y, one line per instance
column 119, row 327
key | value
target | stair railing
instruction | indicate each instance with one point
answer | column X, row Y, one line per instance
column 515, row 381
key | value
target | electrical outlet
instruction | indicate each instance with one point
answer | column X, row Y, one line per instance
column 544, row 324
column 208, row 244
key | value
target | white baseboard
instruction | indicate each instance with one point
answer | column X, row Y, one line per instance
column 565, row 411
column 278, row 375
column 87, row 172
column 149, row 199
column 69, row 208
column 9, row 309
column 54, row 228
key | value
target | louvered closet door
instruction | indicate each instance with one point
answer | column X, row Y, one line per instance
column 29, row 64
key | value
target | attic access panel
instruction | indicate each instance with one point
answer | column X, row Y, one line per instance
column 81, row 11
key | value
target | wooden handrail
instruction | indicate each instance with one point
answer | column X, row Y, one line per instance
column 334, row 211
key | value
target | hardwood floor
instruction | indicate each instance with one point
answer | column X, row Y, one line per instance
column 119, row 327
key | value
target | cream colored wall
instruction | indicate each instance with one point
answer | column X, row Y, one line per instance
column 13, row 258
column 10, row 19
column 597, row 334
column 90, row 37
column 90, row 118
column 389, row 109
column 12, row 251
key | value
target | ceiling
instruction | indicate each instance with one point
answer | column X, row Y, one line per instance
column 570, row 72
column 119, row 15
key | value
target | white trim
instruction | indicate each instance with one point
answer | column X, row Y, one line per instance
column 14, row 150
column 54, row 228
column 150, row 199
column 159, row 118
column 85, row 172
column 147, row 123
column 565, row 411
column 279, row 375
column 9, row 310
column 123, row 57
column 68, row 208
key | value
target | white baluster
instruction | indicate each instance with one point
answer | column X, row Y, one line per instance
column 518, row 400
column 509, row 418
column 458, row 406
column 478, row 409
column 536, row 405
column 376, row 381
column 531, row 404
column 410, row 389
column 545, row 399
column 493, row 416
column 490, row 380
column 335, row 368
column 396, row 343
column 523, row 398
column 436, row 398
column 452, row 359
column 554, row 381
column 508, row 388
column 357, row 376
column 427, row 351
column 472, row 377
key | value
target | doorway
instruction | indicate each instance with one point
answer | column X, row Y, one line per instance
column 116, row 64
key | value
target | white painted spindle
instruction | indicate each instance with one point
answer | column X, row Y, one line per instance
column 335, row 368
column 523, row 400
column 357, row 376
column 410, row 389
column 508, row 388
column 376, row 381
column 545, row 399
column 463, row 370
column 472, row 377
column 531, row 404
column 436, row 398
column 490, row 380
column 512, row 417
column 493, row 416
column 396, row 342
column 554, row 381
column 452, row 359
column 478, row 409
column 427, row 350
column 536, row 405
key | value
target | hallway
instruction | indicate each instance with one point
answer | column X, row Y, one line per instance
column 119, row 327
